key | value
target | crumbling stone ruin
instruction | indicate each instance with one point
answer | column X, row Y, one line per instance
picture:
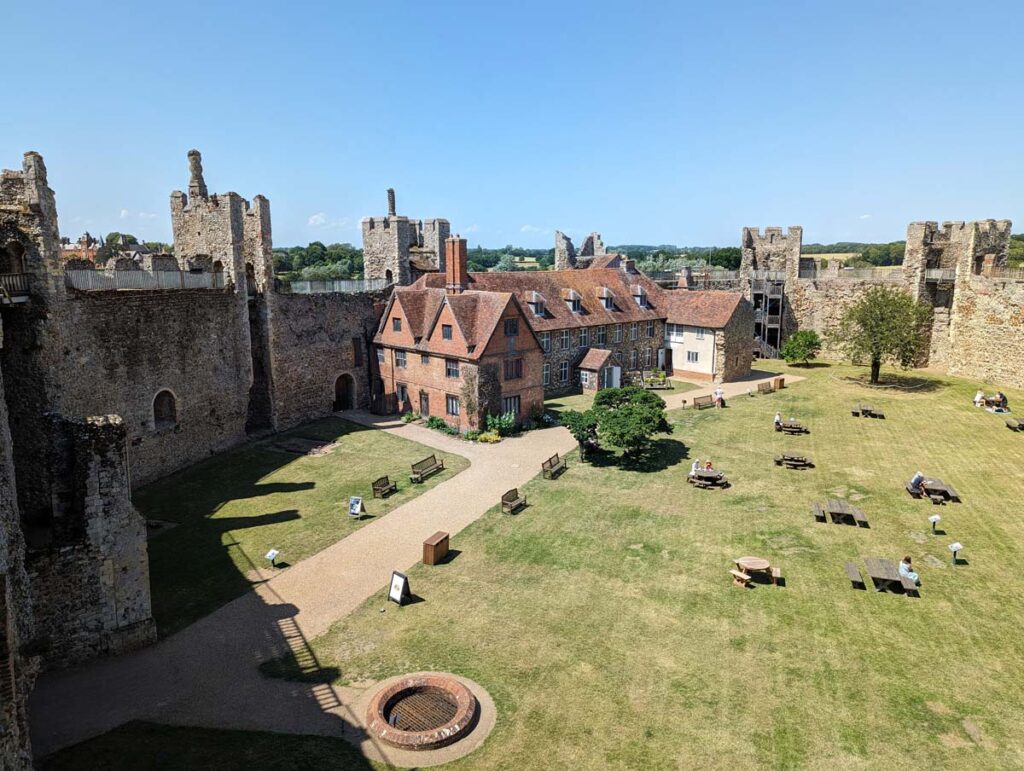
column 566, row 256
column 114, row 382
column 958, row 270
column 400, row 250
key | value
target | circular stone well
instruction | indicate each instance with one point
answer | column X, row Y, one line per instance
column 422, row 712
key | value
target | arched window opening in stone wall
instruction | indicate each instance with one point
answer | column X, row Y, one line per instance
column 12, row 258
column 218, row 267
column 389, row 277
column 250, row 278
column 165, row 410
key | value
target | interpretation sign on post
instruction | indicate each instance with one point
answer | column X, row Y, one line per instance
column 399, row 591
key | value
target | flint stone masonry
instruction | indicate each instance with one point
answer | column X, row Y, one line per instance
column 565, row 252
column 17, row 627
column 987, row 331
column 314, row 340
column 90, row 587
column 399, row 249
column 732, row 345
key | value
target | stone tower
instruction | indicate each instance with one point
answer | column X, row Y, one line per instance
column 398, row 249
column 772, row 251
column 769, row 262
column 565, row 252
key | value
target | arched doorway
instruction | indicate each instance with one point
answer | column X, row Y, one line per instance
column 344, row 393
column 165, row 411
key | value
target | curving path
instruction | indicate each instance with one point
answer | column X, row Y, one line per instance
column 207, row 675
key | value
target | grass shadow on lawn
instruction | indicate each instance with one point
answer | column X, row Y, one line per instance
column 231, row 509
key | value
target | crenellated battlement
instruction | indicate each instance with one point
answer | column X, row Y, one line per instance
column 397, row 248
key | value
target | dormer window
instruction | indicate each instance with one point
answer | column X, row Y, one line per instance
column 536, row 303
column 641, row 297
column 607, row 298
column 573, row 300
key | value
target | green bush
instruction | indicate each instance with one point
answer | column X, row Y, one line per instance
column 436, row 423
column 472, row 435
column 489, row 437
column 409, row 417
column 503, row 425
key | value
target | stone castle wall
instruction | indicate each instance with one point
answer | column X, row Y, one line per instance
column 819, row 304
column 732, row 345
column 125, row 347
column 90, row 585
column 314, row 340
column 17, row 669
column 987, row 331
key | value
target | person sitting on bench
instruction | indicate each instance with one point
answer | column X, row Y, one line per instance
column 979, row 398
column 915, row 483
column 708, row 466
column 695, row 468
column 778, row 421
column 907, row 571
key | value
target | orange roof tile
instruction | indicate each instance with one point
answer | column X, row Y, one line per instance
column 701, row 308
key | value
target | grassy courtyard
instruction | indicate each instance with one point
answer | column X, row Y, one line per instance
column 228, row 511
column 585, row 400
column 603, row 622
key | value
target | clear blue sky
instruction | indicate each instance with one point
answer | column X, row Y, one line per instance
column 649, row 122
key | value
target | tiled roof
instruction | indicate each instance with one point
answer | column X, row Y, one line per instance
column 594, row 359
column 702, row 308
column 605, row 261
column 553, row 285
column 476, row 313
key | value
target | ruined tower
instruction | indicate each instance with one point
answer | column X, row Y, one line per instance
column 565, row 252
column 768, row 262
column 398, row 249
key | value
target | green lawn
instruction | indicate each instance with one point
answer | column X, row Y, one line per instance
column 584, row 401
column 231, row 509
column 603, row 622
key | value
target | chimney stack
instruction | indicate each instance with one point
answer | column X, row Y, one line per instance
column 456, row 264
column 391, row 202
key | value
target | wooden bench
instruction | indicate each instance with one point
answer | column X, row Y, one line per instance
column 853, row 573
column 511, row 501
column 819, row 512
column 739, row 579
column 913, row 493
column 909, row 587
column 953, row 494
column 765, row 388
column 700, row 402
column 423, row 468
column 383, row 487
column 878, row 414
column 776, row 575
column 553, row 466
column 858, row 516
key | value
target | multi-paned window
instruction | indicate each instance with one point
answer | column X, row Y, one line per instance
column 700, row 333
column 691, row 357
column 402, row 393
column 446, row 331
column 380, row 355
column 547, row 373
column 647, row 357
column 400, row 359
column 451, row 404
column 424, row 359
column 513, row 369
column 566, row 339
column 601, row 335
column 511, row 404
column 634, row 329
column 584, row 337
column 396, row 324
column 575, row 304
column 618, row 333
column 633, row 359
column 650, row 328
column 451, row 367
column 545, row 341
column 511, row 327
column 563, row 372
column 584, row 378
column 609, row 302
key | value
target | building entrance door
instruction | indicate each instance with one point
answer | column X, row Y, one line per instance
column 424, row 404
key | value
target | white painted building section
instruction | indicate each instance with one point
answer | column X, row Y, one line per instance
column 693, row 350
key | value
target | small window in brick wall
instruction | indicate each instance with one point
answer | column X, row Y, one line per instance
column 513, row 369
column 357, row 351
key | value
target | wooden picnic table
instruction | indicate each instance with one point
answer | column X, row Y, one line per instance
column 707, row 478
column 840, row 509
column 936, row 487
column 792, row 427
column 753, row 564
column 884, row 574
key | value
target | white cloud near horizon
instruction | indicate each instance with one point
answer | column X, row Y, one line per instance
column 321, row 220
column 532, row 229
column 864, row 217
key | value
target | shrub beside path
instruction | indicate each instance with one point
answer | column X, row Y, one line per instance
column 207, row 674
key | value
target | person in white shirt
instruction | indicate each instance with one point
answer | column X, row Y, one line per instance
column 979, row 398
column 694, row 468
column 778, row 421
column 719, row 397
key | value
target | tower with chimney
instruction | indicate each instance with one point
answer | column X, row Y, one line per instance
column 399, row 250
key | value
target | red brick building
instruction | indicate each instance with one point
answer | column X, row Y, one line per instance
column 458, row 353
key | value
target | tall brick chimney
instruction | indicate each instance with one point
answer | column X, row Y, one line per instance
column 456, row 264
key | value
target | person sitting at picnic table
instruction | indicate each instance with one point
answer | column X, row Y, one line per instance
column 979, row 398
column 1002, row 401
column 708, row 466
column 694, row 468
column 719, row 395
column 778, row 421
column 907, row 571
column 915, row 483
